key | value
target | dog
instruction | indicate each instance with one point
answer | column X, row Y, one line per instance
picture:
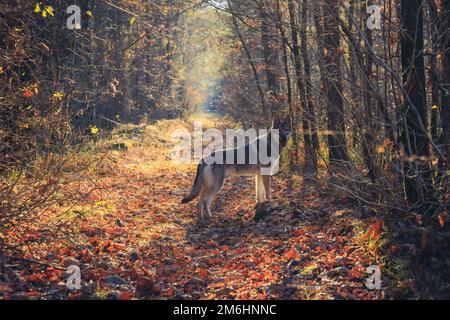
column 211, row 177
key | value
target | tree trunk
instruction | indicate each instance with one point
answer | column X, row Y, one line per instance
column 310, row 159
column 337, row 145
column 434, row 28
column 269, row 58
column 310, row 114
column 368, row 89
column 415, row 142
column 445, row 88
column 292, row 111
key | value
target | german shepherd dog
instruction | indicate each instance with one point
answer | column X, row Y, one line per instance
column 210, row 178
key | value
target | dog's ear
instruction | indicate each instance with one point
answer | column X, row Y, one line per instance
column 287, row 123
column 276, row 122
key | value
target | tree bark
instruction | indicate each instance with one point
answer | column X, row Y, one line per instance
column 292, row 111
column 310, row 115
column 415, row 141
column 269, row 58
column 445, row 88
column 337, row 145
column 310, row 158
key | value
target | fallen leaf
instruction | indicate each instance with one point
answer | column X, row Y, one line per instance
column 217, row 285
column 168, row 293
column 126, row 295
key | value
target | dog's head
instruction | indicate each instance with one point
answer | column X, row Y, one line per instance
column 284, row 127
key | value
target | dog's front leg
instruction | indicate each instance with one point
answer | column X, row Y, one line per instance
column 268, row 190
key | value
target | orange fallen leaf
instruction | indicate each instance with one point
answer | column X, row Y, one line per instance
column 217, row 285
column 27, row 93
column 168, row 293
column 211, row 296
column 33, row 294
column 126, row 295
column 261, row 296
column 203, row 273
column 291, row 254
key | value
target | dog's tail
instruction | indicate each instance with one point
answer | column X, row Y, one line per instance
column 196, row 188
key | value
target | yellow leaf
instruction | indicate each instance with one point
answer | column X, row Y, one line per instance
column 37, row 8
column 381, row 149
column 89, row 13
column 94, row 130
column 1, row 70
column 442, row 217
column 132, row 20
column 435, row 107
column 58, row 95
column 49, row 9
column 44, row 13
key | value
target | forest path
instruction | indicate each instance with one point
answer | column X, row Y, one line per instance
column 134, row 239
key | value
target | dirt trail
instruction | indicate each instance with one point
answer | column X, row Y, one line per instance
column 133, row 239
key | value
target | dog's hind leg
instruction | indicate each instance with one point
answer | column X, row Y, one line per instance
column 212, row 192
column 201, row 206
column 207, row 200
column 217, row 199
column 218, row 202
column 207, row 203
